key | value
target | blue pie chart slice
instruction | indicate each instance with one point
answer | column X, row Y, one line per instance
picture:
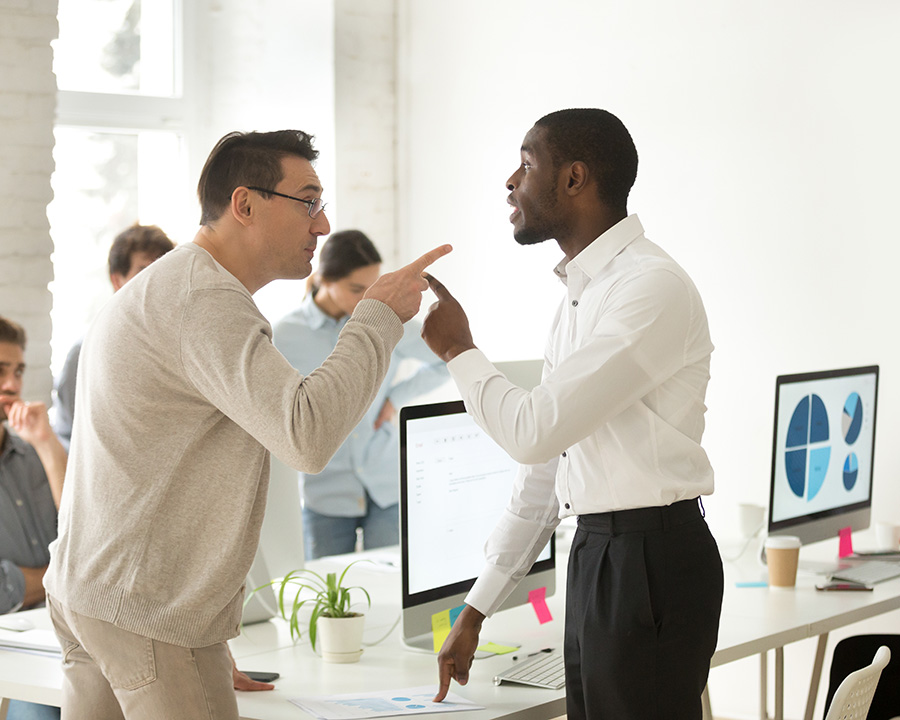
column 851, row 471
column 851, row 418
column 818, row 421
column 795, row 466
column 798, row 428
column 818, row 468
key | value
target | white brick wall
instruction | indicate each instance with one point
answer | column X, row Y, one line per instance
column 27, row 107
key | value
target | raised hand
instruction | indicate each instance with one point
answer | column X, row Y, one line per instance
column 30, row 421
column 402, row 289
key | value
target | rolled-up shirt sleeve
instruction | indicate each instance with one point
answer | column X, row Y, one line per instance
column 12, row 587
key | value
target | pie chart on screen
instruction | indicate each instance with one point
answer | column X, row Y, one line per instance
column 851, row 471
column 806, row 455
column 851, row 418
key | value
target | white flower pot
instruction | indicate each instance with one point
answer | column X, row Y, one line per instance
column 340, row 638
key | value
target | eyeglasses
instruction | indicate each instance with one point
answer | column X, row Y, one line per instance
column 316, row 207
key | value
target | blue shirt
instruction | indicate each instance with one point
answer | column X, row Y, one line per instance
column 369, row 459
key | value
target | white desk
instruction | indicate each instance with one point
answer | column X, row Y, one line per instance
column 754, row 621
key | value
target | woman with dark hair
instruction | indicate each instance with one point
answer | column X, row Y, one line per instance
column 359, row 489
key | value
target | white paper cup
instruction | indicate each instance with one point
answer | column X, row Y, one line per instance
column 888, row 536
column 782, row 554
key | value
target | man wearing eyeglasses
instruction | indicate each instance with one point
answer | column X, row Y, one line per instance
column 182, row 397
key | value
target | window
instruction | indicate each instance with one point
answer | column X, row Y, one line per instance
column 120, row 146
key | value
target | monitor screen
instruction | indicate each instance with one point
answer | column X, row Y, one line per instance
column 455, row 482
column 823, row 453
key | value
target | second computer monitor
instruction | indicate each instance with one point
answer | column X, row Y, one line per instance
column 823, row 453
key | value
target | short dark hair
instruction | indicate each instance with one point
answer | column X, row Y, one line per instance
column 12, row 332
column 138, row 238
column 251, row 158
column 602, row 142
column 344, row 252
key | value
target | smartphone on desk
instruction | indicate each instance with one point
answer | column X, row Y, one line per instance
column 839, row 585
column 265, row 677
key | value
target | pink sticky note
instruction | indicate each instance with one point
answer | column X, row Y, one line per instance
column 538, row 600
column 846, row 546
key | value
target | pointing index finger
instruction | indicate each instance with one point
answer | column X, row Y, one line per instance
column 423, row 262
column 438, row 287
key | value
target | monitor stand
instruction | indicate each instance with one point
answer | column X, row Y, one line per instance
column 814, row 567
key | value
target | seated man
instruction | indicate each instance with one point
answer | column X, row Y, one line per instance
column 133, row 250
column 32, row 469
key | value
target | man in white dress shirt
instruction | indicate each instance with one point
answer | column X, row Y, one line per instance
column 611, row 435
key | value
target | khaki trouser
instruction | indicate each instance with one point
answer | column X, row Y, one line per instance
column 113, row 674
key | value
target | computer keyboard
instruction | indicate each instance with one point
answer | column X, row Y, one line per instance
column 869, row 572
column 544, row 670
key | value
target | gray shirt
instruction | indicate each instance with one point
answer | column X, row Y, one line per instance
column 27, row 518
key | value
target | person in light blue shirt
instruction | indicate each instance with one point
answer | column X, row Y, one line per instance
column 360, row 487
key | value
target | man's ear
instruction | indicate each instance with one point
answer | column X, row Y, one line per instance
column 576, row 178
column 242, row 205
column 117, row 280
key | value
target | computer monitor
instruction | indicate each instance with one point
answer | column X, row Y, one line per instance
column 455, row 482
column 823, row 453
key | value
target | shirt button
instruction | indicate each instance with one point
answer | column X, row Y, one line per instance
column 567, row 506
column 34, row 541
column 574, row 303
column 564, row 454
column 19, row 502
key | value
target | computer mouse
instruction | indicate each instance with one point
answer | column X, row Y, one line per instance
column 12, row 622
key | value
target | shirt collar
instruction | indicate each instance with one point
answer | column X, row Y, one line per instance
column 316, row 317
column 596, row 256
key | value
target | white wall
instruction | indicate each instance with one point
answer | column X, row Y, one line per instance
column 769, row 154
column 268, row 67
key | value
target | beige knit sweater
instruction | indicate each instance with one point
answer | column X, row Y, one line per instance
column 181, row 397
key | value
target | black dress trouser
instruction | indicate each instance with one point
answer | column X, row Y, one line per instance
column 643, row 601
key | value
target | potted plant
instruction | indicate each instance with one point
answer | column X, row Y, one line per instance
column 331, row 618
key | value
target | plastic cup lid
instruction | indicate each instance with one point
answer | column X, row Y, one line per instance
column 782, row 542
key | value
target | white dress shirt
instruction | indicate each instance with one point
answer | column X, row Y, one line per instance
column 617, row 420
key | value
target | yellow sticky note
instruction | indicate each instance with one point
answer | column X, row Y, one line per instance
column 492, row 647
column 440, row 628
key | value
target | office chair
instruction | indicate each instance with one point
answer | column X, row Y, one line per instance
column 853, row 697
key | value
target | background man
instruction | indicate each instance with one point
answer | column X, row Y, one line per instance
column 32, row 468
column 182, row 398
column 611, row 435
column 133, row 250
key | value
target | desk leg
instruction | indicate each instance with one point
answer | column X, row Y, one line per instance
column 779, row 683
column 764, row 686
column 816, row 677
column 707, row 706
column 4, row 706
